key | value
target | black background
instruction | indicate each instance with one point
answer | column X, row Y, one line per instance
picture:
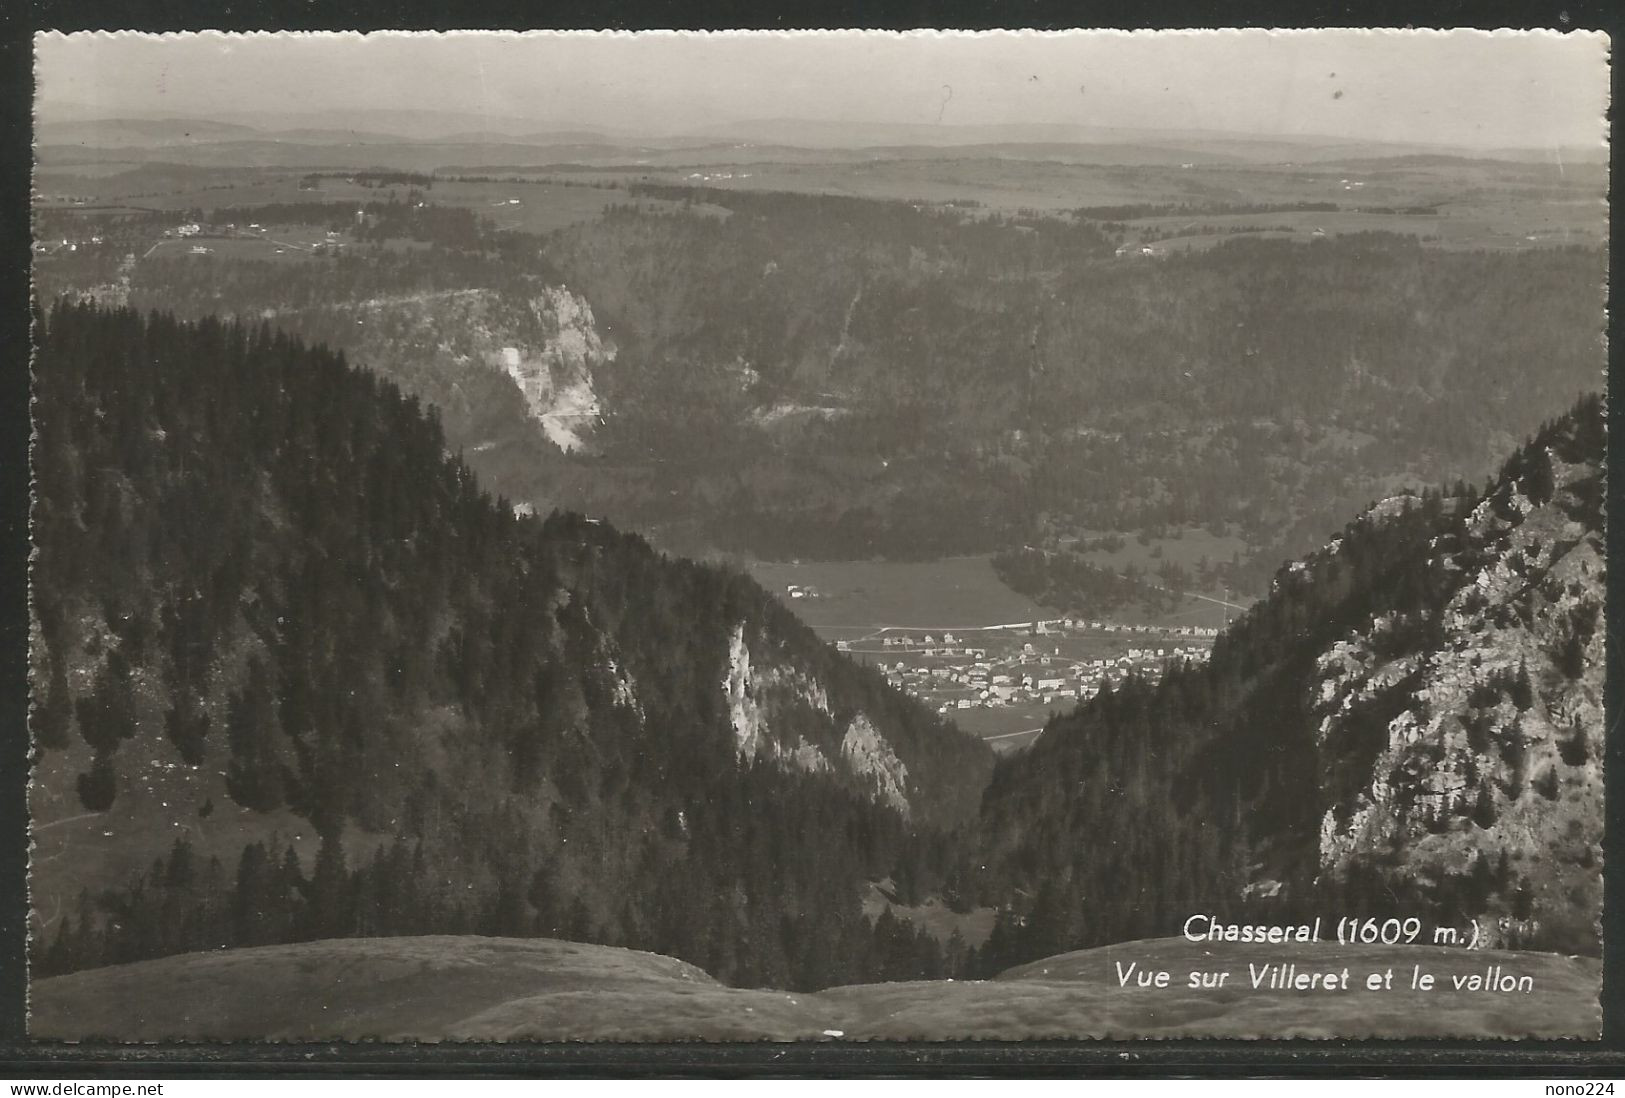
column 23, row 1060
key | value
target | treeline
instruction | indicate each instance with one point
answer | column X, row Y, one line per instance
column 185, row 903
column 417, row 316
column 529, row 175
column 257, row 563
column 1136, row 211
column 91, row 262
column 372, row 177
column 454, row 228
column 255, row 288
column 1064, row 580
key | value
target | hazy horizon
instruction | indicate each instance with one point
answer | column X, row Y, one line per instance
column 1466, row 89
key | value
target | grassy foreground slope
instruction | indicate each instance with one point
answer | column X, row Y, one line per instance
column 472, row 988
column 1077, row 995
column 428, row 988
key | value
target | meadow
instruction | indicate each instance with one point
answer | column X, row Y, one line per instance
column 499, row 989
column 542, row 205
column 1472, row 203
column 1500, row 205
column 855, row 598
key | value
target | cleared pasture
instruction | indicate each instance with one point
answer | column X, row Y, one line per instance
column 1480, row 203
column 854, row 598
column 285, row 249
column 498, row 989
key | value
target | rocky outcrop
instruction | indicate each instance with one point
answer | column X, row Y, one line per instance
column 556, row 374
column 548, row 344
column 1486, row 716
column 867, row 753
column 773, row 707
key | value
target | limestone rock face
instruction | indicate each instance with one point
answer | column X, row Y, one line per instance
column 1484, row 719
column 781, row 712
column 555, row 374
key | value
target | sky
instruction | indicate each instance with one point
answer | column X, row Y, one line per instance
column 1497, row 89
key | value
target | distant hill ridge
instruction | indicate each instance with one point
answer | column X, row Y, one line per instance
column 84, row 127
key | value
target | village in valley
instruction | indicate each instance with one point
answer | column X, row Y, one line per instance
column 998, row 665
column 1052, row 663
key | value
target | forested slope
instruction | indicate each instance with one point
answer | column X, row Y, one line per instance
column 296, row 675
column 803, row 376
column 1410, row 723
column 869, row 357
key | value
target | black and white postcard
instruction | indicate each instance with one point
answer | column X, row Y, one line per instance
column 828, row 536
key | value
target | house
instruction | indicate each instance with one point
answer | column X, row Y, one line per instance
column 1051, row 684
column 949, row 638
column 843, row 646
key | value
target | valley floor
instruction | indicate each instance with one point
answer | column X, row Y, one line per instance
column 499, row 989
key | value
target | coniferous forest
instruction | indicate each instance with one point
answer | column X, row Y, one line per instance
column 259, row 568
column 264, row 590
column 1468, row 615
column 829, row 538
column 827, row 377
